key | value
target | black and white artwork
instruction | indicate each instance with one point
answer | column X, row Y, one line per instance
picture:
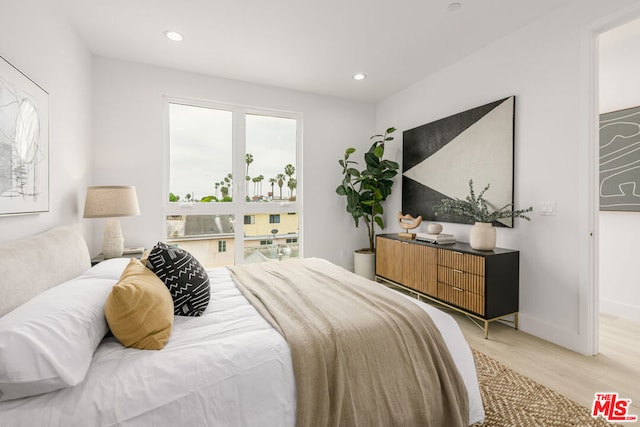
column 620, row 160
column 24, row 143
column 439, row 159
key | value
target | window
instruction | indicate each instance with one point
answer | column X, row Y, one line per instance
column 228, row 162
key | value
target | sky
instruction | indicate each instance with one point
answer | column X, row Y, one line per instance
column 201, row 143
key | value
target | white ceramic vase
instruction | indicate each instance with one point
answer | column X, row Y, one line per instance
column 364, row 264
column 483, row 236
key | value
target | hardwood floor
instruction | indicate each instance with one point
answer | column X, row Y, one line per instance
column 615, row 369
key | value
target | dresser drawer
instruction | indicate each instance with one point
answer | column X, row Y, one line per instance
column 461, row 279
column 461, row 298
column 461, row 261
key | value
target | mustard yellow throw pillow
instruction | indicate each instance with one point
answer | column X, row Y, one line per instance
column 139, row 309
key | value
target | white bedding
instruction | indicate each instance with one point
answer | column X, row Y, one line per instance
column 227, row 367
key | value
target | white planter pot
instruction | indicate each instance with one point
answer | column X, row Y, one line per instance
column 483, row 236
column 364, row 264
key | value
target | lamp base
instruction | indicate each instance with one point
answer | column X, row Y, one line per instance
column 112, row 241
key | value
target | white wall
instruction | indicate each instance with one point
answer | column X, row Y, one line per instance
column 129, row 147
column 543, row 64
column 36, row 39
column 619, row 68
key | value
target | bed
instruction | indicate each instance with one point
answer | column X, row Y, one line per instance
column 227, row 367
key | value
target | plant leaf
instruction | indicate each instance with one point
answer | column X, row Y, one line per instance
column 379, row 221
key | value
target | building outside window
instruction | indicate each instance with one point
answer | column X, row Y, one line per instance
column 228, row 162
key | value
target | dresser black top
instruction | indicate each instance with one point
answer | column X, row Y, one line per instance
column 458, row 246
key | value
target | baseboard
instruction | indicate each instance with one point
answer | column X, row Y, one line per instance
column 549, row 332
column 618, row 309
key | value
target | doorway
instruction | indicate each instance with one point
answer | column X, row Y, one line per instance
column 617, row 293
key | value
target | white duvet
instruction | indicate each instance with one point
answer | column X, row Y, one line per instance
column 227, row 367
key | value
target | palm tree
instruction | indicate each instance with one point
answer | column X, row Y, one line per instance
column 292, row 185
column 272, row 181
column 227, row 182
column 248, row 159
column 289, row 170
column 259, row 179
column 255, row 185
column 280, row 177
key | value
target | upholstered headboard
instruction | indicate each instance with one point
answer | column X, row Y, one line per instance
column 35, row 264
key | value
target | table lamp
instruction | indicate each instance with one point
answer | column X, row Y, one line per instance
column 111, row 202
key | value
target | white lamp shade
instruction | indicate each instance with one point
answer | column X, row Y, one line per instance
column 111, row 201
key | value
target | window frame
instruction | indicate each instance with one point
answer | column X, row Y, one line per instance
column 274, row 218
column 239, row 207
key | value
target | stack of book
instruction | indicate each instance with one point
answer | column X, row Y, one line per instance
column 440, row 239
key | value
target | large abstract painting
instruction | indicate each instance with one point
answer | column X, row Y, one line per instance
column 439, row 159
column 620, row 160
column 24, row 143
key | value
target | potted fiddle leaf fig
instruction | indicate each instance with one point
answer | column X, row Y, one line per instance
column 476, row 208
column 365, row 191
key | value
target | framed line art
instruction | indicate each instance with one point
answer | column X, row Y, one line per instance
column 24, row 143
column 620, row 160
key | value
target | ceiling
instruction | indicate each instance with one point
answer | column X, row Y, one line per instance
column 308, row 45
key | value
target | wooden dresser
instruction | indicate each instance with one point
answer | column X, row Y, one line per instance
column 482, row 284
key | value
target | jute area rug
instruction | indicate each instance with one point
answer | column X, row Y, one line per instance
column 513, row 400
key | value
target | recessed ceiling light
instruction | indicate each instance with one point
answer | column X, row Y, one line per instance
column 453, row 7
column 359, row 76
column 173, row 35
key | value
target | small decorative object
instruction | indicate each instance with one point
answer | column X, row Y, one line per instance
column 365, row 190
column 483, row 234
column 434, row 228
column 408, row 222
column 111, row 202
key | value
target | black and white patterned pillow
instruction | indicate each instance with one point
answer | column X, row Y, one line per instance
column 187, row 280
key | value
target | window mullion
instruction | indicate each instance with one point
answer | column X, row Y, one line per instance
column 238, row 155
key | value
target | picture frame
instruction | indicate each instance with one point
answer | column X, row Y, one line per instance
column 439, row 159
column 619, row 160
column 24, row 143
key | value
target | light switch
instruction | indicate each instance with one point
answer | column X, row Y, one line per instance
column 547, row 208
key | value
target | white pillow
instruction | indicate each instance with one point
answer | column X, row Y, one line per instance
column 48, row 342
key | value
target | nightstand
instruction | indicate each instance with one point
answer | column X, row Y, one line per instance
column 99, row 258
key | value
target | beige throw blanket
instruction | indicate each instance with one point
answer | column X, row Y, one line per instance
column 362, row 356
